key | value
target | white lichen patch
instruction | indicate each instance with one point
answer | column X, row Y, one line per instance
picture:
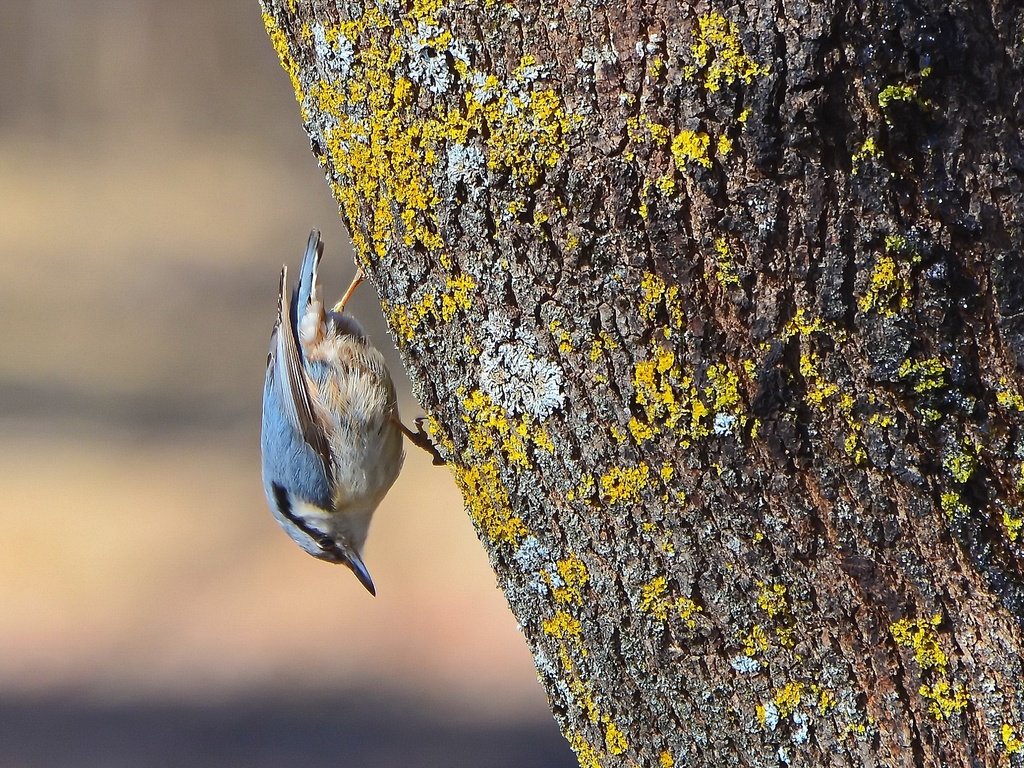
column 339, row 52
column 485, row 89
column 428, row 64
column 530, row 71
column 771, row 715
column 801, row 729
column 724, row 423
column 745, row 664
column 544, row 665
column 515, row 375
column 531, row 554
column 466, row 164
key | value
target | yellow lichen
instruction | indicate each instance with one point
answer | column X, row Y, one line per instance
column 654, row 390
column 527, row 135
column 894, row 93
column 383, row 155
column 826, row 699
column 927, row 375
column 1013, row 525
column 869, row 149
column 1007, row 397
column 584, row 489
column 640, row 430
column 541, row 439
column 692, row 147
column 659, row 535
column 562, row 625
column 723, row 389
column 725, row 265
column 604, row 341
column 1010, row 400
column 944, row 700
column 823, row 394
column 756, row 641
column 805, row 324
column 772, row 599
column 887, row 290
column 896, row 243
column 440, row 435
column 920, row 635
column 488, row 504
column 643, row 131
column 717, row 53
column 652, row 597
column 614, row 739
column 665, row 184
column 586, row 755
column 561, row 336
column 457, row 296
column 655, row 293
column 655, row 601
column 490, row 425
column 762, row 714
column 665, row 760
column 279, row 40
column 960, row 463
column 950, row 503
column 574, row 576
column 1011, row 744
column 787, row 698
column 383, row 145
column 624, row 484
column 671, row 400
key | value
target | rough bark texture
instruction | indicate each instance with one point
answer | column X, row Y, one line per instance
column 718, row 315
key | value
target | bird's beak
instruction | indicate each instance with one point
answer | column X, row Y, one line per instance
column 354, row 562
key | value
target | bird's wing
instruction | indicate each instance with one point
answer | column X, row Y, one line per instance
column 294, row 384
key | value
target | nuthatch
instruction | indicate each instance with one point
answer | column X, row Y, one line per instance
column 332, row 439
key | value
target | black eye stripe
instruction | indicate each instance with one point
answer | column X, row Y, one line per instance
column 284, row 506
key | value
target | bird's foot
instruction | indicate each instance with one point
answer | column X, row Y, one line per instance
column 356, row 282
column 422, row 439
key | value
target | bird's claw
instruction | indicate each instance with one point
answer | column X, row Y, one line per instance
column 421, row 439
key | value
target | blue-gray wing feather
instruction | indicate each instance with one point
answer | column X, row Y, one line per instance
column 291, row 388
column 288, row 459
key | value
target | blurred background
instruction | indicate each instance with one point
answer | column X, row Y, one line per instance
column 154, row 176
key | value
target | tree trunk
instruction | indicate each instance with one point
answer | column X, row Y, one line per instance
column 717, row 313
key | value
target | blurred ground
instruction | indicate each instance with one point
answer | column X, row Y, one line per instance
column 153, row 178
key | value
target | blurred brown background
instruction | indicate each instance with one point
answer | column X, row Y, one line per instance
column 153, row 178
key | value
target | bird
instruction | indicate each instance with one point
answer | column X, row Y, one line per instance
column 331, row 434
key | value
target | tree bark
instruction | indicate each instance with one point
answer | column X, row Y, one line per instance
column 717, row 313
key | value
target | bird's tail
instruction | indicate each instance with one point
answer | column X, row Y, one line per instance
column 307, row 276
